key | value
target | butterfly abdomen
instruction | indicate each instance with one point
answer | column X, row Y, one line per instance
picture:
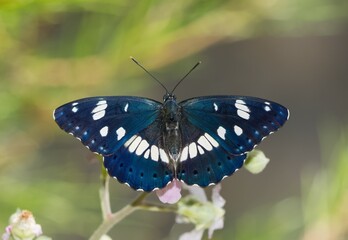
column 172, row 137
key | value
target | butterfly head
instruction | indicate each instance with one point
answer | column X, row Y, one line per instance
column 169, row 97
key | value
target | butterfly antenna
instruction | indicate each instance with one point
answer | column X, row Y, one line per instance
column 137, row 63
column 182, row 79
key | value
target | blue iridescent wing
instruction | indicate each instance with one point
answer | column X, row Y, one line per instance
column 203, row 161
column 227, row 127
column 142, row 162
column 104, row 124
column 112, row 127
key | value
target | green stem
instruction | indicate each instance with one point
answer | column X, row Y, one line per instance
column 105, row 198
column 109, row 222
column 111, row 219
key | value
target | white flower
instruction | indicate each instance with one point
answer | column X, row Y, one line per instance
column 205, row 215
column 22, row 226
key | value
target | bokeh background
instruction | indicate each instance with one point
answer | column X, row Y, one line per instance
column 294, row 52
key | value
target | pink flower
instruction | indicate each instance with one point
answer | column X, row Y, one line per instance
column 171, row 193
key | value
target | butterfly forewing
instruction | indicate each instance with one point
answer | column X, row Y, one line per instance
column 236, row 123
column 104, row 124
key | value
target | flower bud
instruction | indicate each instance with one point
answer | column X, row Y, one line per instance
column 256, row 161
column 22, row 226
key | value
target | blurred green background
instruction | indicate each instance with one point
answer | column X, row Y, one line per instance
column 294, row 52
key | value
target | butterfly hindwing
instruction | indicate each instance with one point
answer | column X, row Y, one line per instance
column 237, row 123
column 104, row 124
column 142, row 162
column 203, row 161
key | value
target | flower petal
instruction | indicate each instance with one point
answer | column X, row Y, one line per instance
column 218, row 224
column 217, row 199
column 193, row 235
column 7, row 234
column 198, row 193
column 171, row 193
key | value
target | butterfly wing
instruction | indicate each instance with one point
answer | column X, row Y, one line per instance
column 142, row 162
column 203, row 160
column 103, row 124
column 120, row 128
column 226, row 128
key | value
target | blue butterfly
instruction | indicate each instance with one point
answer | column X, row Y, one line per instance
column 146, row 143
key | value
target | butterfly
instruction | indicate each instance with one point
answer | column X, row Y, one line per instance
column 146, row 144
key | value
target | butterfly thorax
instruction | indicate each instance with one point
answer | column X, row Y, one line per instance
column 171, row 137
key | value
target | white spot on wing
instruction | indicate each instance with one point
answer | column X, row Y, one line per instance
column 205, row 143
column 126, row 107
column 211, row 140
column 120, row 133
column 216, row 107
column 99, row 108
column 221, row 131
column 267, row 103
column 193, row 150
column 74, row 109
column 239, row 101
column 101, row 102
column 104, row 131
column 154, row 153
column 238, row 130
column 129, row 141
column 242, row 107
column 184, row 154
column 288, row 115
column 98, row 115
column 200, row 149
column 163, row 156
column 74, row 104
column 134, row 144
column 243, row 114
column 142, row 147
column 267, row 108
column 147, row 154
